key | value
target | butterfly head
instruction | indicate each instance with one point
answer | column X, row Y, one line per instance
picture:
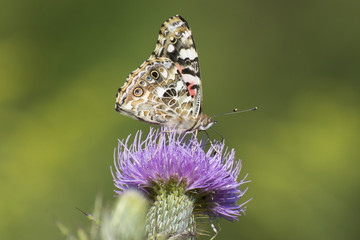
column 205, row 122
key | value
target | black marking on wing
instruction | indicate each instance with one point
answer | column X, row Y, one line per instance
column 188, row 71
column 182, row 19
column 170, row 93
column 195, row 86
column 173, row 56
column 161, row 52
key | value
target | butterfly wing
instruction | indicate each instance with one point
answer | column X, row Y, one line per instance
column 156, row 93
column 176, row 43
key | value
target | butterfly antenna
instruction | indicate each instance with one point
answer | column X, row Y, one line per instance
column 235, row 111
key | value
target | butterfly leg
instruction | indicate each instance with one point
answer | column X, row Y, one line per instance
column 213, row 147
column 195, row 136
column 222, row 138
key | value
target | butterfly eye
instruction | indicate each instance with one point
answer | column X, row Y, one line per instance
column 148, row 78
column 173, row 40
column 142, row 83
column 155, row 74
column 138, row 92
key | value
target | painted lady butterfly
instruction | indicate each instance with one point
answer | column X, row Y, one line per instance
column 166, row 88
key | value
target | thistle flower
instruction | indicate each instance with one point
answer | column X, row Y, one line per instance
column 166, row 164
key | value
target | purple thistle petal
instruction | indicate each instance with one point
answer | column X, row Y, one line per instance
column 210, row 177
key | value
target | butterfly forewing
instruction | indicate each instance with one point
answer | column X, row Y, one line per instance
column 176, row 43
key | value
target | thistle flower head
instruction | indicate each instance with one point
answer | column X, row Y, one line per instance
column 165, row 158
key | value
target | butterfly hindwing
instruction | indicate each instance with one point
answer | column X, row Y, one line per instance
column 156, row 93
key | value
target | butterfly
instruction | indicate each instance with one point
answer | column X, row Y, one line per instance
column 166, row 89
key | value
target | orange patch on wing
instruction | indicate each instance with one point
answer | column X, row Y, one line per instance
column 180, row 68
column 191, row 91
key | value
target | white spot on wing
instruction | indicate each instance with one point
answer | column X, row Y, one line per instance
column 164, row 73
column 188, row 53
column 191, row 79
column 171, row 27
column 171, row 48
column 160, row 91
column 187, row 34
column 167, row 65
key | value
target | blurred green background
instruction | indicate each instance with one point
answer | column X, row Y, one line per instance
column 61, row 63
